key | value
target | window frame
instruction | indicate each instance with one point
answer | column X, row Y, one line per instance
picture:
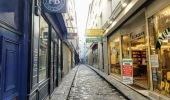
column 20, row 14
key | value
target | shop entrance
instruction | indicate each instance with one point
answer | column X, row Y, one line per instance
column 139, row 57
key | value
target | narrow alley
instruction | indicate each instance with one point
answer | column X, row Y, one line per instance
column 88, row 85
column 85, row 82
column 84, row 49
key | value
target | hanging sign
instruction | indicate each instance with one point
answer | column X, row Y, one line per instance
column 154, row 60
column 56, row 6
column 162, row 37
column 127, row 71
column 94, row 32
column 90, row 40
column 71, row 35
column 138, row 35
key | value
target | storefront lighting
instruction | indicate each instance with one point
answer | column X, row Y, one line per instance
column 165, row 46
column 124, row 3
column 165, row 41
column 152, row 48
column 110, row 22
column 113, row 23
column 117, row 40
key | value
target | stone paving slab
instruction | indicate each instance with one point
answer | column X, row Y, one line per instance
column 62, row 92
column 88, row 85
column 127, row 91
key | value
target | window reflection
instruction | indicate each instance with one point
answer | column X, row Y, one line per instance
column 115, row 55
column 43, row 50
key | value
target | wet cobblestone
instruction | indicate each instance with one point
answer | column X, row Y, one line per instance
column 89, row 86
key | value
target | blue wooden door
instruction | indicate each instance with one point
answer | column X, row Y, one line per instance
column 9, row 66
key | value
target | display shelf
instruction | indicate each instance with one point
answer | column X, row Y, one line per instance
column 138, row 55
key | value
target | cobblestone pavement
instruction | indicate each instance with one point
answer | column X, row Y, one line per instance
column 89, row 86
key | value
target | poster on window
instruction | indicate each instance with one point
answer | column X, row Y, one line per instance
column 127, row 71
column 154, row 61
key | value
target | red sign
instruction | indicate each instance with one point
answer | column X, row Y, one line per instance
column 127, row 70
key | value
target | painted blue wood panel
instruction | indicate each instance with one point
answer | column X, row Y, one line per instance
column 9, row 52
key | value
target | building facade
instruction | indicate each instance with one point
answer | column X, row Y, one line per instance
column 138, row 30
column 94, row 22
column 32, row 45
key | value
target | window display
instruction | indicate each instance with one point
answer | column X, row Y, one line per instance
column 159, row 25
column 125, row 46
column 115, row 55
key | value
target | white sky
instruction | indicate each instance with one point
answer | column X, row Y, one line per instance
column 82, row 7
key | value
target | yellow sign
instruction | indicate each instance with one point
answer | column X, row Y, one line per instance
column 165, row 86
column 94, row 32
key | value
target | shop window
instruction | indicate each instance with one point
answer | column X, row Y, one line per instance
column 125, row 46
column 11, row 13
column 159, row 29
column 115, row 55
column 43, row 50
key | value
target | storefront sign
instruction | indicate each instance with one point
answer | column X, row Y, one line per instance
column 127, row 71
column 138, row 35
column 90, row 40
column 71, row 35
column 165, row 86
column 56, row 6
column 162, row 37
column 94, row 32
column 154, row 60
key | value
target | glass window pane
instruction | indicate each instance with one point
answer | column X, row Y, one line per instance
column 157, row 26
column 125, row 46
column 115, row 55
column 9, row 12
column 43, row 50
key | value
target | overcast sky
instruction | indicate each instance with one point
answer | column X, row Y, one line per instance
column 82, row 7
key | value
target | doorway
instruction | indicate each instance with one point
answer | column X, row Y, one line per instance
column 139, row 57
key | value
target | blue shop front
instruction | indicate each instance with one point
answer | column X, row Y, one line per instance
column 30, row 50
